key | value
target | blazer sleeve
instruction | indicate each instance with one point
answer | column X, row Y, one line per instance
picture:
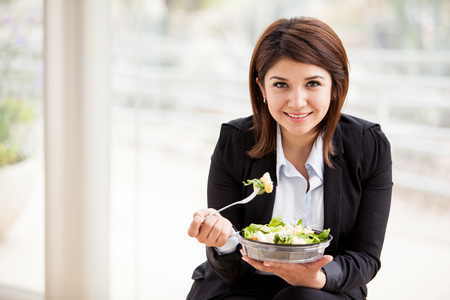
column 224, row 187
column 359, row 260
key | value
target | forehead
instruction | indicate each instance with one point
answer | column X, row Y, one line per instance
column 290, row 68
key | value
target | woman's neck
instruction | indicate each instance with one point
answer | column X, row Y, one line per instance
column 297, row 144
column 297, row 149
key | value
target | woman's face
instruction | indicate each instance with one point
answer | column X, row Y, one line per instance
column 298, row 96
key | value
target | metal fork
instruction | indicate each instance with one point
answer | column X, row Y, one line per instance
column 243, row 201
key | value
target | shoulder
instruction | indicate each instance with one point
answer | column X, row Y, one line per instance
column 238, row 131
column 355, row 124
column 235, row 139
column 353, row 130
column 362, row 142
column 241, row 124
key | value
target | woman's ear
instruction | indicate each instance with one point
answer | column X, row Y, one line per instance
column 261, row 87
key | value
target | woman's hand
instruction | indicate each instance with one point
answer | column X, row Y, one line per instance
column 296, row 274
column 213, row 232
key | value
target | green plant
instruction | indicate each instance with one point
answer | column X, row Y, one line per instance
column 14, row 115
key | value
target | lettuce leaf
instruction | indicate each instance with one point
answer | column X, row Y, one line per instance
column 276, row 221
column 256, row 183
column 250, row 230
column 282, row 239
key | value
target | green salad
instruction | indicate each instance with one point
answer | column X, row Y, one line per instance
column 278, row 232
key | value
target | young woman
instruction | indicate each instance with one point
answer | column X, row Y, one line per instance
column 330, row 169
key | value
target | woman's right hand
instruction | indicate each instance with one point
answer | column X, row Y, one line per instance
column 213, row 232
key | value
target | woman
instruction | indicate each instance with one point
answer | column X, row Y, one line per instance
column 329, row 169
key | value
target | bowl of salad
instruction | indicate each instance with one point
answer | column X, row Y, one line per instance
column 281, row 242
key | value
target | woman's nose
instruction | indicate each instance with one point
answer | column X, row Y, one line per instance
column 298, row 98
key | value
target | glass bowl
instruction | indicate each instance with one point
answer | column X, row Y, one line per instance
column 283, row 252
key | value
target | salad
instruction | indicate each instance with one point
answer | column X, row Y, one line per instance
column 277, row 232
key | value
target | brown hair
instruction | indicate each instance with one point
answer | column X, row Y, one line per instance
column 305, row 40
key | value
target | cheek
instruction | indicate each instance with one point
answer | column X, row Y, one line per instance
column 274, row 104
column 277, row 98
column 321, row 102
column 325, row 104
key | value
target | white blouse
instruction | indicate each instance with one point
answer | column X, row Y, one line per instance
column 292, row 200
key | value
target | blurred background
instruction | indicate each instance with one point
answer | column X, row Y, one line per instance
column 179, row 70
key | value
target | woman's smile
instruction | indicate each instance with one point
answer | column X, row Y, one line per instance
column 300, row 116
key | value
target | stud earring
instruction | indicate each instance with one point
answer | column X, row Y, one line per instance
column 264, row 100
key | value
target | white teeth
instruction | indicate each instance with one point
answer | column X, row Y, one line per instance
column 297, row 116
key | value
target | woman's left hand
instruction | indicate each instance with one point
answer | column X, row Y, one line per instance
column 296, row 274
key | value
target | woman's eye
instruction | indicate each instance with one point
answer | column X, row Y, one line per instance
column 280, row 85
column 313, row 83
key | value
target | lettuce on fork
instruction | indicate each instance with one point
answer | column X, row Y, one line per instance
column 265, row 183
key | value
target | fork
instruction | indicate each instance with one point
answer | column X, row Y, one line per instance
column 243, row 201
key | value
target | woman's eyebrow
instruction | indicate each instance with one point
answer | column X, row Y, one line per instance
column 314, row 77
column 277, row 78
column 307, row 78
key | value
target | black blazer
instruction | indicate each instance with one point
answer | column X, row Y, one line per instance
column 357, row 196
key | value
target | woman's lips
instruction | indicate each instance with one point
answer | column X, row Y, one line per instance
column 298, row 116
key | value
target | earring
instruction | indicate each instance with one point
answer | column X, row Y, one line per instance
column 264, row 100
